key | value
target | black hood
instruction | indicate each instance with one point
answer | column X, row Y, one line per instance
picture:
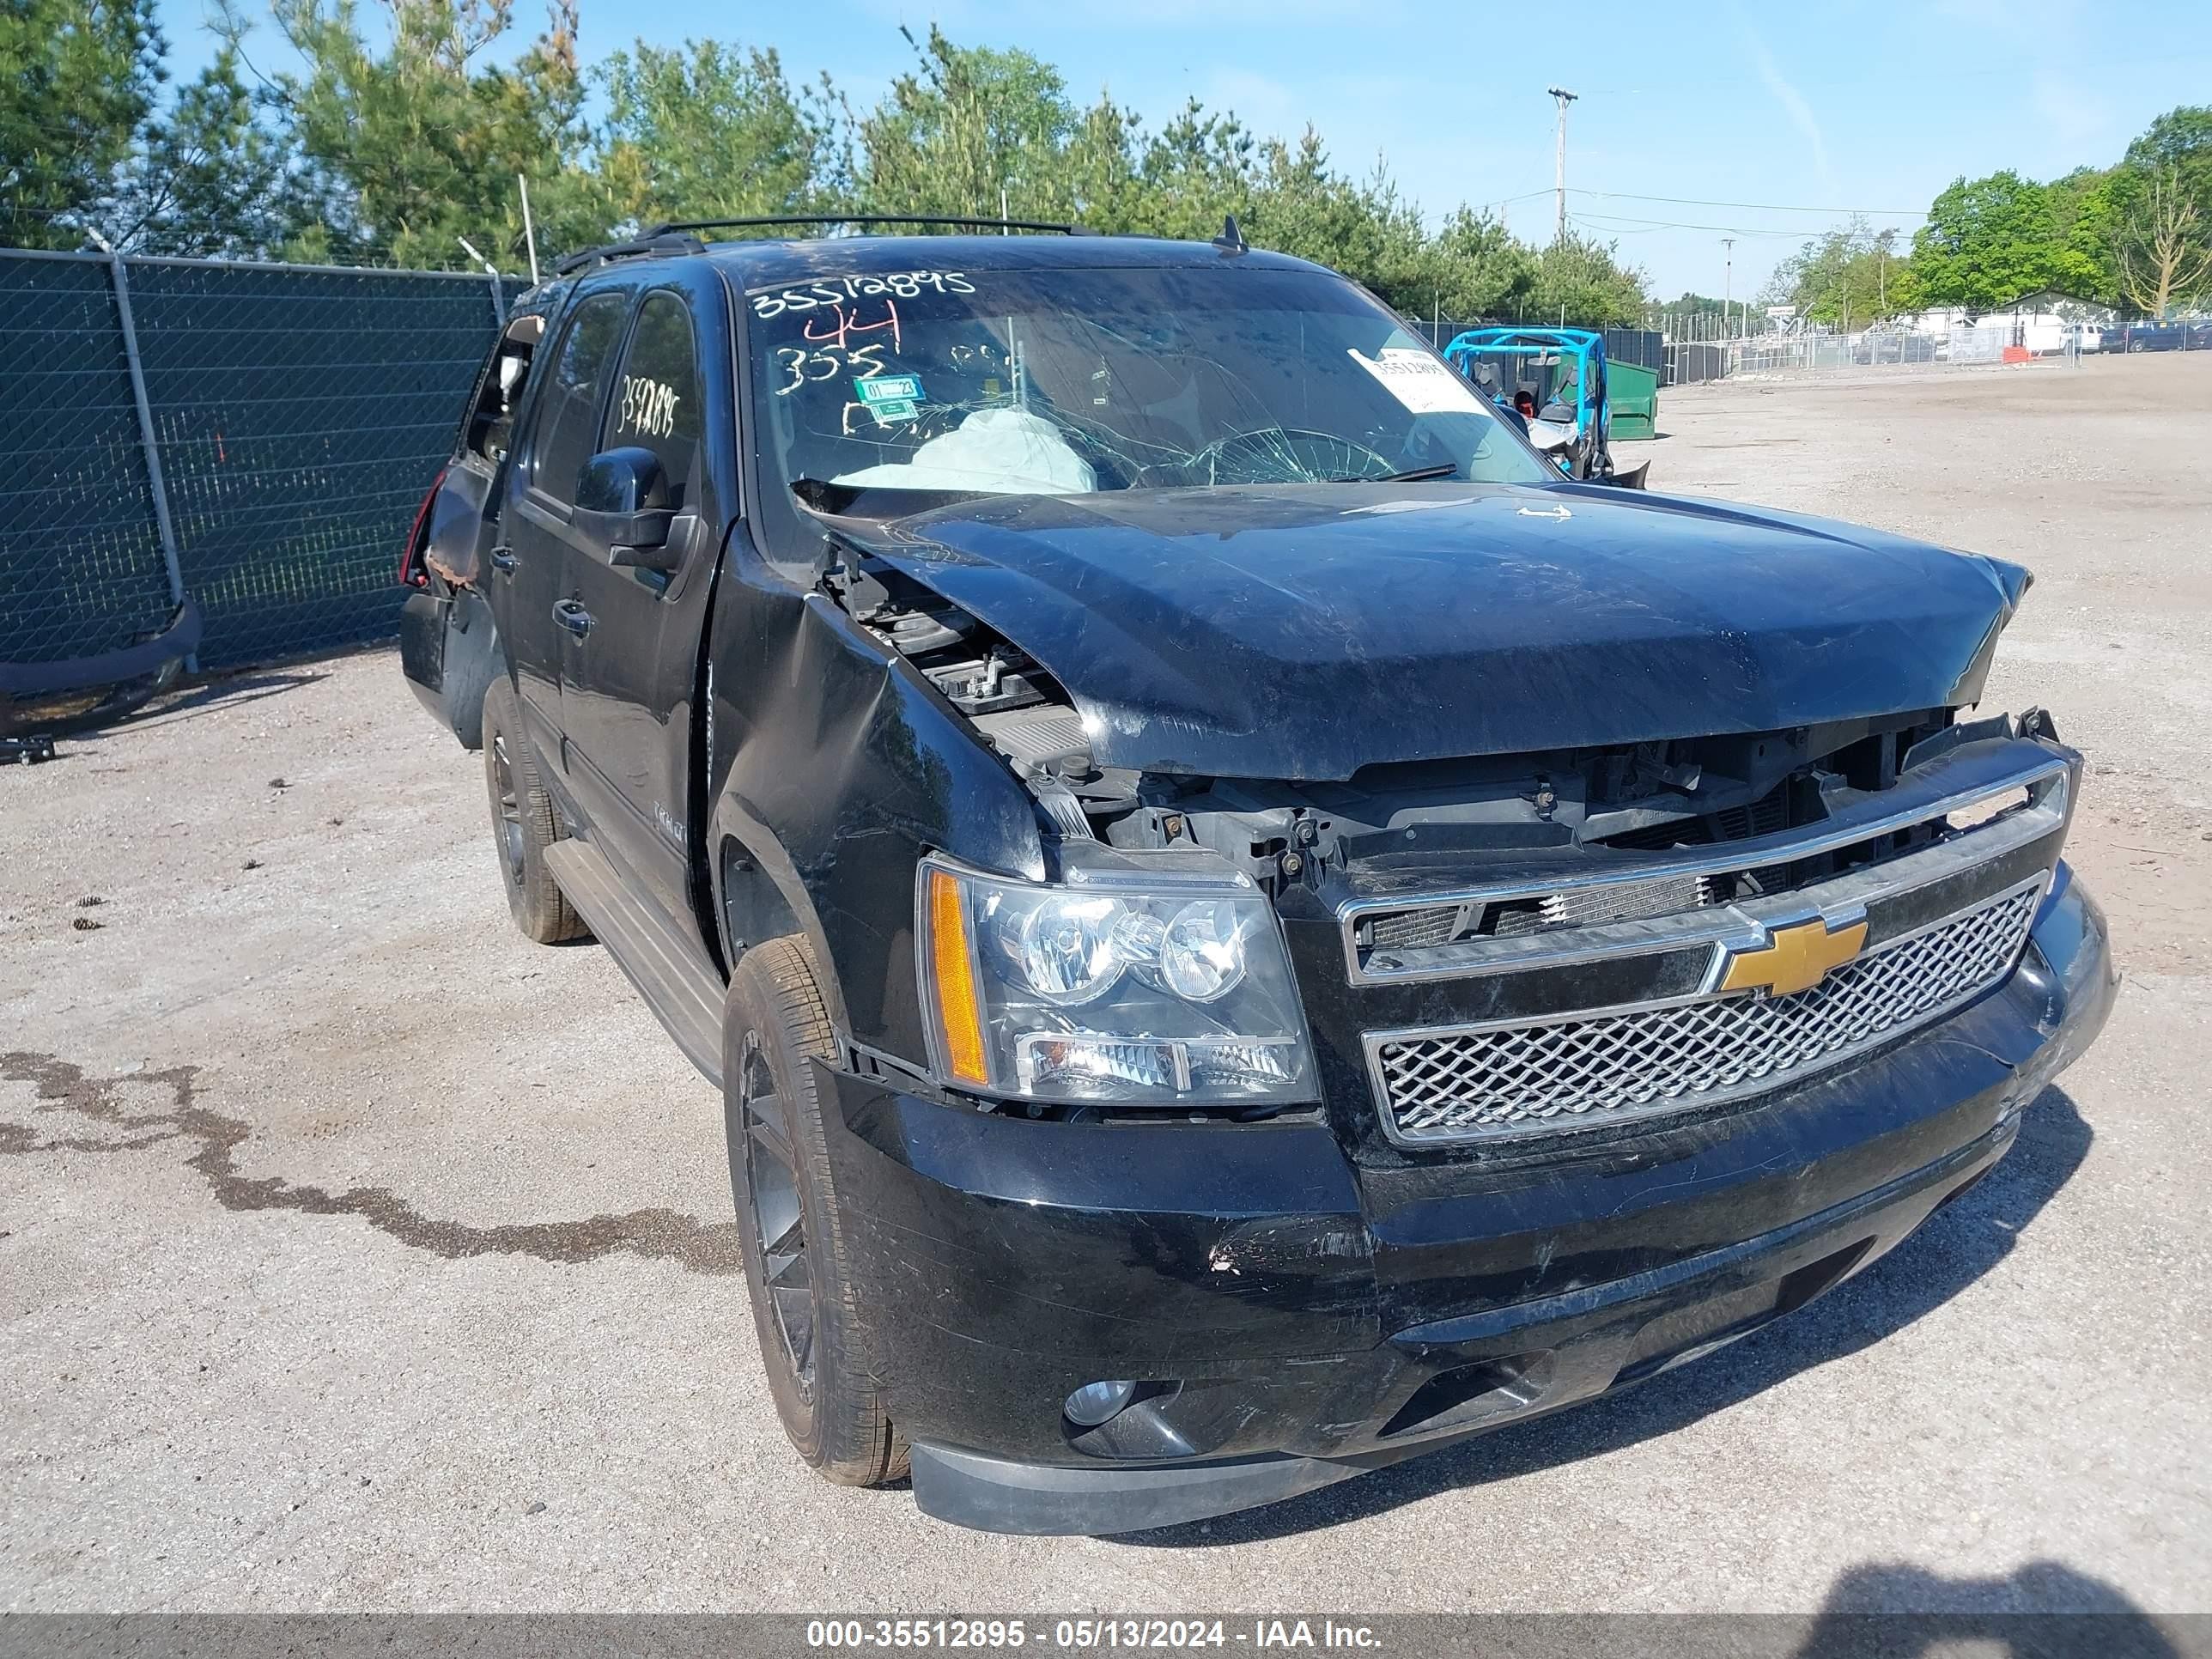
column 1304, row 632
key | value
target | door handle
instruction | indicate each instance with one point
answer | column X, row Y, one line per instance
column 503, row 560
column 574, row 618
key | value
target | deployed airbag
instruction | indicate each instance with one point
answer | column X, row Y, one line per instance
column 1000, row 452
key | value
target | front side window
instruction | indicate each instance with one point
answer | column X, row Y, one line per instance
column 570, row 418
column 656, row 404
column 1067, row 382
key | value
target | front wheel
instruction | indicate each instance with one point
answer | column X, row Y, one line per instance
column 811, row 1318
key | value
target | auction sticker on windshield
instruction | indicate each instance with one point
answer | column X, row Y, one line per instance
column 889, row 388
column 1418, row 381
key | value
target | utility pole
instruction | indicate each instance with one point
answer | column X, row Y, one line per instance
column 1565, row 98
column 1728, row 283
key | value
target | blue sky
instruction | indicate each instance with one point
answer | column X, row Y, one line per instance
column 1870, row 106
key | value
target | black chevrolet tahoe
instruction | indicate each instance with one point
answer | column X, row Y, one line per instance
column 1246, row 928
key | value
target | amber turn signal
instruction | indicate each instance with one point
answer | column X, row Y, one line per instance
column 958, row 1015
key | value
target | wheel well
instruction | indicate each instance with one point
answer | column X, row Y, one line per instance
column 753, row 907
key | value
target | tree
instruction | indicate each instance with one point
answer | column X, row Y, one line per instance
column 2084, row 213
column 1693, row 304
column 2164, row 247
column 2180, row 139
column 967, row 129
column 80, row 78
column 1584, row 281
column 707, row 131
column 404, row 151
column 1184, row 180
column 209, row 181
column 2159, row 212
column 400, row 131
column 1480, row 271
column 1988, row 241
column 966, row 123
column 1852, row 275
column 1299, row 205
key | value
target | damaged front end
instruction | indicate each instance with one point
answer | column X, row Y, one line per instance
column 1495, row 946
column 1577, row 1062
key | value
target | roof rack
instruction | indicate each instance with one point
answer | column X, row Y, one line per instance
column 676, row 237
column 863, row 219
column 654, row 242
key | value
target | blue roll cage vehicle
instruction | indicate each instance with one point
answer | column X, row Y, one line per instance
column 1587, row 454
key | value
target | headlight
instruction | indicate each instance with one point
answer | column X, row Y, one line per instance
column 1141, row 984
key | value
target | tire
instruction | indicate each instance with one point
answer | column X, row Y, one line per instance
column 812, row 1317
column 523, row 823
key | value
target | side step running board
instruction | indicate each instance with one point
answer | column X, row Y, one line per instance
column 679, row 984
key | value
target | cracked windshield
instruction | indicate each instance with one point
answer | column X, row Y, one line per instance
column 1066, row 382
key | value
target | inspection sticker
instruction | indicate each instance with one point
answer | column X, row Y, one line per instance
column 1418, row 381
column 889, row 389
column 897, row 409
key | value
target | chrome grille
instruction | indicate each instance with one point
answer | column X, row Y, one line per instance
column 1484, row 1082
column 1410, row 930
column 1615, row 900
column 1624, row 900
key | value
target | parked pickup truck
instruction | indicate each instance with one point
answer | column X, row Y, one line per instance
column 1246, row 928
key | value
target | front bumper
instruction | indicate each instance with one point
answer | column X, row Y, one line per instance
column 1296, row 1315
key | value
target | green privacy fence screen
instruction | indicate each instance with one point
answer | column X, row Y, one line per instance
column 295, row 415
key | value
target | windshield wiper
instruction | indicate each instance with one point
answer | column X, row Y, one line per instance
column 1411, row 475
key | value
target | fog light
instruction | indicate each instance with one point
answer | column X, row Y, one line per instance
column 1094, row 1402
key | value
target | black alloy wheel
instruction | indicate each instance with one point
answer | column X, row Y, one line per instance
column 824, row 1341
column 779, row 1219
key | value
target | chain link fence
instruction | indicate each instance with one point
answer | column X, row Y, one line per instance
column 255, row 436
column 1688, row 361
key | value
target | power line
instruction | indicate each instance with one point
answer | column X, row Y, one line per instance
column 1629, row 226
column 1525, row 196
column 1946, row 73
column 1760, row 207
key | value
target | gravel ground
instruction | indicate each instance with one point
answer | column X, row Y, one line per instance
column 355, row 1253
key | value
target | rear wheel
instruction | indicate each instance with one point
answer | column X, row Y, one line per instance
column 523, row 823
column 810, row 1315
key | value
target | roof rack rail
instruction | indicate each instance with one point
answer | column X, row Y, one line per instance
column 656, row 241
column 863, row 219
column 676, row 237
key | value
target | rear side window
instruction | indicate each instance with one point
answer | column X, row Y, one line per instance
column 571, row 416
column 656, row 402
column 499, row 389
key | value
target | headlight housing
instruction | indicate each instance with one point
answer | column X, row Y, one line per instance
column 1141, row 984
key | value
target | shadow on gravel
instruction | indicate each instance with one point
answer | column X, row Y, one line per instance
column 228, row 692
column 89, row 715
column 90, row 1115
column 1898, row 1610
column 1958, row 1245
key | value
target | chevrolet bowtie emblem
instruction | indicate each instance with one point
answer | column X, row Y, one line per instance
column 1794, row 958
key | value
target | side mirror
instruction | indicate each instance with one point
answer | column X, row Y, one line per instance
column 622, row 503
column 1558, row 413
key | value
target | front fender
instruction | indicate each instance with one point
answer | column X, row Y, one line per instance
column 835, row 765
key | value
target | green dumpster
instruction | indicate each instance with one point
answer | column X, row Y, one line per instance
column 1633, row 392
